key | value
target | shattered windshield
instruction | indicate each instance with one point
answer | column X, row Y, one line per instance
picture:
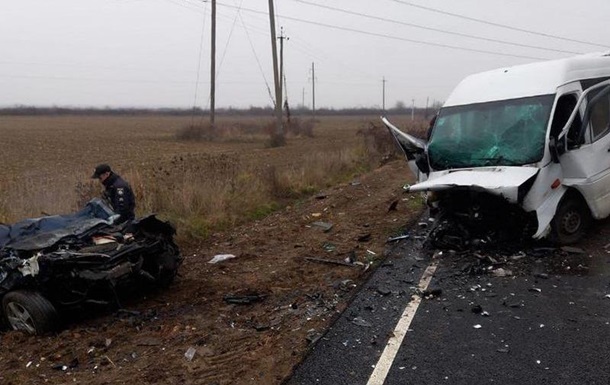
column 502, row 133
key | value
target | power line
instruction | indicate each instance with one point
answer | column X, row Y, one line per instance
column 198, row 65
column 434, row 29
column 392, row 37
column 498, row 24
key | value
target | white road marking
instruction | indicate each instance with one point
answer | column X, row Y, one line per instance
column 391, row 349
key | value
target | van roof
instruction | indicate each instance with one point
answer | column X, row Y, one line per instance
column 541, row 78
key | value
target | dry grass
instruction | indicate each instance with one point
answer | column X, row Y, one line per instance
column 201, row 186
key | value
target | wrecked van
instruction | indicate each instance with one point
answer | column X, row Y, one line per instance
column 525, row 149
column 51, row 264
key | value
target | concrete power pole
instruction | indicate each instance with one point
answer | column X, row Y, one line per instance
column 383, row 81
column 279, row 130
column 213, row 68
column 313, row 90
column 281, row 39
column 412, row 109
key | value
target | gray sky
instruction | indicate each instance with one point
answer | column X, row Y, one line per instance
column 146, row 53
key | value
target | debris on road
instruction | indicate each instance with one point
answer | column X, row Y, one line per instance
column 325, row 226
column 398, row 238
column 221, row 257
column 330, row 261
column 190, row 353
column 244, row 299
column 359, row 321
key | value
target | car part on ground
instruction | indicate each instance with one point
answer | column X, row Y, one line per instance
column 56, row 262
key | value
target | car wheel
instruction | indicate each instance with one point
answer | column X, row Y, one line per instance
column 571, row 221
column 30, row 312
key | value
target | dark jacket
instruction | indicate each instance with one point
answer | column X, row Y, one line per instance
column 121, row 197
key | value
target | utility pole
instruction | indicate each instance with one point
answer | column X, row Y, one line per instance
column 383, row 98
column 427, row 100
column 303, row 99
column 213, row 68
column 313, row 90
column 412, row 109
column 281, row 39
column 279, row 130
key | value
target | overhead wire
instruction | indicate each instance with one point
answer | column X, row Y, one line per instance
column 260, row 67
column 430, row 9
column 199, row 65
column 433, row 29
column 441, row 45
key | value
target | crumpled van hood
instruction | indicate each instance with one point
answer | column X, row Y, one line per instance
column 502, row 181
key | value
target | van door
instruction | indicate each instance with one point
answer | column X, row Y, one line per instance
column 586, row 163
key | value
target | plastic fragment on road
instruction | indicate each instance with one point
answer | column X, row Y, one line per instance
column 398, row 238
column 359, row 321
column 500, row 272
column 190, row 353
column 477, row 326
column 221, row 257
column 325, row 226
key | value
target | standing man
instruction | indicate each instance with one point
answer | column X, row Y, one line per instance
column 118, row 192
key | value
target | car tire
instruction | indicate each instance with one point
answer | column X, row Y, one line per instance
column 571, row 221
column 29, row 312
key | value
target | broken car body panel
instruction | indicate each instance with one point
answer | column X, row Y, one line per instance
column 535, row 135
column 84, row 257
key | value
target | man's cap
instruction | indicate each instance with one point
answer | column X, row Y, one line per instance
column 100, row 169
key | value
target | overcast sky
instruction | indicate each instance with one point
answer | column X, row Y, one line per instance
column 148, row 53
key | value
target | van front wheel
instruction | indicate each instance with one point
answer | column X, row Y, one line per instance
column 571, row 221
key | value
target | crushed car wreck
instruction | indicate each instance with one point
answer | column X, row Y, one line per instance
column 522, row 150
column 55, row 262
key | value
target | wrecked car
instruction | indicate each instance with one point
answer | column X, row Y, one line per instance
column 53, row 263
column 523, row 150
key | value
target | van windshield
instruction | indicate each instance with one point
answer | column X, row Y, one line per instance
column 503, row 133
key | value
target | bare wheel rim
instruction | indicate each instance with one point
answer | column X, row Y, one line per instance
column 571, row 222
column 19, row 318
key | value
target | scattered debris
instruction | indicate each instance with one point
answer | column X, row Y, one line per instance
column 535, row 289
column 434, row 292
column 329, row 247
column 477, row 326
column 330, row 261
column 500, row 272
column 398, row 238
column 244, row 299
column 365, row 237
column 572, row 250
column 325, row 226
column 541, row 275
column 190, row 353
column 359, row 321
column 321, row 196
column 384, row 291
column 221, row 257
column 392, row 206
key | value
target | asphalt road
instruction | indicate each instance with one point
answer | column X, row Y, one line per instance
column 530, row 315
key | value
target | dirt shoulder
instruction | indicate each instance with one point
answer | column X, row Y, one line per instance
column 291, row 296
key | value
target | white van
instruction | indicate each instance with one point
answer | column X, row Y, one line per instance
column 527, row 145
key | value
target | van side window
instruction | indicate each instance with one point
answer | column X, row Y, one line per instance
column 563, row 110
column 600, row 118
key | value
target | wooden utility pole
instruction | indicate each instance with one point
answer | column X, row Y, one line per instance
column 313, row 90
column 278, row 138
column 213, row 68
